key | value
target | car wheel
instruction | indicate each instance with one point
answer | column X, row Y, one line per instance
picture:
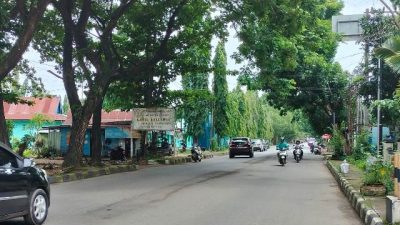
column 38, row 208
column 231, row 155
column 251, row 155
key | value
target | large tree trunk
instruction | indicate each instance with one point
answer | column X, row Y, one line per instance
column 3, row 124
column 96, row 144
column 143, row 144
column 73, row 157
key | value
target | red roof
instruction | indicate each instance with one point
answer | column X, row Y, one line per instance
column 48, row 106
column 107, row 117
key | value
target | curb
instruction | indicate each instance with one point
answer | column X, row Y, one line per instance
column 366, row 213
column 91, row 173
column 181, row 160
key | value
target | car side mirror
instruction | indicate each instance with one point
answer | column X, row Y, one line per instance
column 29, row 163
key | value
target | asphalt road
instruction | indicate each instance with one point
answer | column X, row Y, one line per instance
column 219, row 191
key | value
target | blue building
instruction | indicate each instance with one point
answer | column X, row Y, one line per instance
column 22, row 114
column 116, row 131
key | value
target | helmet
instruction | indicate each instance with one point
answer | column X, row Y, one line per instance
column 297, row 142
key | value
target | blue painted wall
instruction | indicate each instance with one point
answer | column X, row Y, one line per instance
column 19, row 130
column 374, row 131
column 65, row 139
column 205, row 138
column 113, row 135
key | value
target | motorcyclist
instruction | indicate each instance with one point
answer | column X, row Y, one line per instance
column 301, row 149
column 196, row 152
column 311, row 145
column 282, row 145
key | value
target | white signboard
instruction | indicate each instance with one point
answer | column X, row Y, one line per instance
column 153, row 119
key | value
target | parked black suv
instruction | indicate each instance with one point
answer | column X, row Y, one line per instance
column 24, row 188
column 240, row 146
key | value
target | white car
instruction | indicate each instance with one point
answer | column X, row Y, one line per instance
column 258, row 145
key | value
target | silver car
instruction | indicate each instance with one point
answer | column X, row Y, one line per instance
column 258, row 145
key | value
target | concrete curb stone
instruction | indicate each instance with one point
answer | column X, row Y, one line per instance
column 91, row 173
column 366, row 213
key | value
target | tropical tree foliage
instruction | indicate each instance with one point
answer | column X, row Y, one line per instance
column 250, row 115
column 390, row 52
column 220, row 91
column 18, row 22
column 289, row 48
column 114, row 41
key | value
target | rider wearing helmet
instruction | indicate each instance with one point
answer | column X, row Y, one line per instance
column 301, row 149
column 283, row 145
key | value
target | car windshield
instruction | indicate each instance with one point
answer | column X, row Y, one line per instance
column 239, row 142
column 240, row 139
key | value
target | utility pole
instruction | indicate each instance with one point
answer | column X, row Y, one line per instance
column 378, row 114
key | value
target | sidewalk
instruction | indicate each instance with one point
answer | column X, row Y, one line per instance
column 372, row 210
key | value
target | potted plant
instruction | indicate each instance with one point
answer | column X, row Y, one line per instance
column 377, row 180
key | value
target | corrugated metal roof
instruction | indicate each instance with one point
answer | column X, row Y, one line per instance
column 107, row 117
column 47, row 106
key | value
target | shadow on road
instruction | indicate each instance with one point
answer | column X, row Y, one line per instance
column 13, row 222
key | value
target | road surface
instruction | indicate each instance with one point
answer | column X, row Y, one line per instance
column 218, row 191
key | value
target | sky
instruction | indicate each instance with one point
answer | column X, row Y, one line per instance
column 349, row 54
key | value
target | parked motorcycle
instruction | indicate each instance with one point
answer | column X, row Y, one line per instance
column 318, row 149
column 282, row 157
column 197, row 154
column 118, row 154
column 183, row 147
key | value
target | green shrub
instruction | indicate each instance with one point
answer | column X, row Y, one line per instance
column 15, row 142
column 214, row 145
column 29, row 153
column 380, row 173
column 46, row 152
column 336, row 144
column 359, row 163
column 362, row 147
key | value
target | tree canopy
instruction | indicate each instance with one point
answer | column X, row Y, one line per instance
column 288, row 49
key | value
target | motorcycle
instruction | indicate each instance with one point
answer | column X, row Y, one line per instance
column 197, row 154
column 318, row 149
column 282, row 156
column 312, row 148
column 183, row 147
column 297, row 153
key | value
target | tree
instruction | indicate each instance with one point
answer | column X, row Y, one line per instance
column 65, row 105
column 289, row 49
column 250, row 115
column 390, row 53
column 220, row 89
column 196, row 103
column 110, row 38
column 18, row 22
column 377, row 28
column 36, row 124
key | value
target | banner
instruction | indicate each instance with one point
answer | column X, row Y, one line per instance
column 162, row 119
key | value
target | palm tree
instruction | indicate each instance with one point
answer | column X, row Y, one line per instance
column 390, row 52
